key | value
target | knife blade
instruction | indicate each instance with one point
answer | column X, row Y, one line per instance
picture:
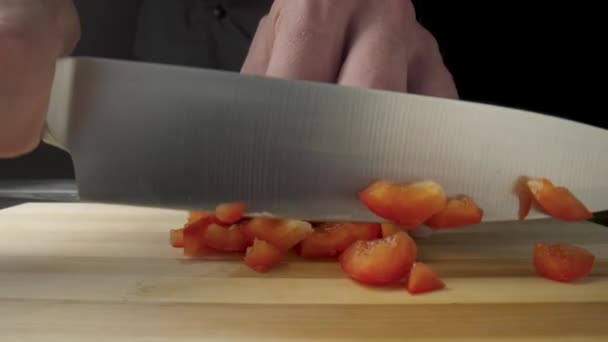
column 187, row 138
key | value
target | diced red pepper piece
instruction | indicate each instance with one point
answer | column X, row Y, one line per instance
column 525, row 197
column 193, row 237
column 460, row 211
column 380, row 262
column 407, row 205
column 225, row 239
column 283, row 234
column 262, row 256
column 558, row 202
column 194, row 216
column 422, row 279
column 324, row 244
column 176, row 237
column 562, row 262
column 389, row 229
column 525, row 204
column 330, row 239
column 361, row 231
column 229, row 213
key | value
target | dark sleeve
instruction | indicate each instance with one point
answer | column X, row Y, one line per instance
column 108, row 28
column 522, row 54
column 212, row 34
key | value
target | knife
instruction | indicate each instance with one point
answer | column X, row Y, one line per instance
column 178, row 137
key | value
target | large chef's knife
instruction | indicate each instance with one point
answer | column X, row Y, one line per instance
column 188, row 138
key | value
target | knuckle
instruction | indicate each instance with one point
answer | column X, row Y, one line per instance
column 397, row 17
column 311, row 15
column 425, row 42
column 407, row 9
column 428, row 40
column 401, row 10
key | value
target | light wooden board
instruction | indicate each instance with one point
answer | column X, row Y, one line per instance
column 84, row 272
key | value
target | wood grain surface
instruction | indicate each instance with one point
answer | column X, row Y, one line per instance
column 86, row 272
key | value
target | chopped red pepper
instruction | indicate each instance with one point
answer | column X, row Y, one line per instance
column 381, row 254
column 558, row 202
column 460, row 211
column 229, row 213
column 262, row 256
column 225, row 239
column 407, row 205
column 422, row 279
column 380, row 262
column 525, row 201
column 193, row 237
column 361, row 231
column 562, row 262
column 331, row 239
column 176, row 237
column 283, row 234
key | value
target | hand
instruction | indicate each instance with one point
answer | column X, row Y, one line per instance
column 33, row 34
column 365, row 43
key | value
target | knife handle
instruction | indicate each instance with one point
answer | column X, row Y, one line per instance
column 58, row 115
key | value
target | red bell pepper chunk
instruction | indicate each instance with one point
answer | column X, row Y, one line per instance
column 525, row 203
column 361, row 231
column 524, row 196
column 225, row 239
column 262, row 256
column 380, row 262
column 176, row 237
column 283, row 234
column 558, row 202
column 460, row 211
column 422, row 279
column 193, row 236
column 407, row 205
column 331, row 239
column 229, row 213
column 562, row 262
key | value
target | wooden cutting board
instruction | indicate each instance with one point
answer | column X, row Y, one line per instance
column 82, row 272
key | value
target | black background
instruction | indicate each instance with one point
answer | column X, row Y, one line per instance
column 541, row 56
column 532, row 55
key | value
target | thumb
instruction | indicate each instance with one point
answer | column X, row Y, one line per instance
column 32, row 36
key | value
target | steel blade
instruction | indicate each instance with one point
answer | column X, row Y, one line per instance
column 178, row 137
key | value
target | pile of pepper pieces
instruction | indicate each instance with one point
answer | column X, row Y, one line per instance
column 380, row 254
